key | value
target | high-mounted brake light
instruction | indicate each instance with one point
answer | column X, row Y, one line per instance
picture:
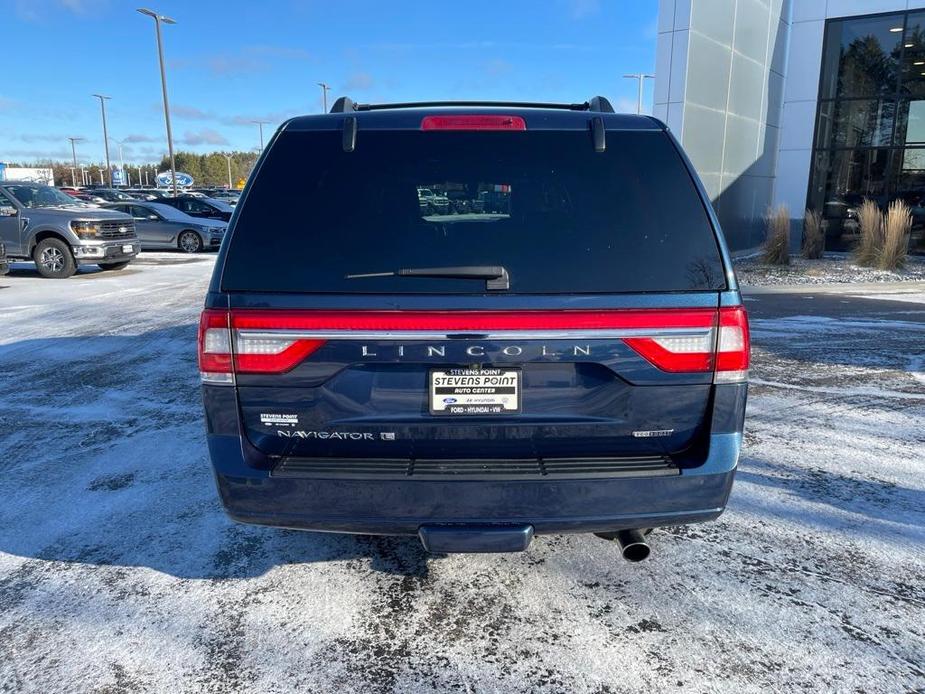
column 462, row 122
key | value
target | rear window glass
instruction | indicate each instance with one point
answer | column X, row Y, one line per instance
column 558, row 216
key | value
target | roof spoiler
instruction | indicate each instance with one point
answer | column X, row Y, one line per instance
column 596, row 104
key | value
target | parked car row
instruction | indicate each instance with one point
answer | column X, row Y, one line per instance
column 161, row 225
column 101, row 194
column 60, row 232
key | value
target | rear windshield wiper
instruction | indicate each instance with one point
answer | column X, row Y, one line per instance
column 495, row 276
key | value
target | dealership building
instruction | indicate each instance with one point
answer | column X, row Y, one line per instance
column 808, row 103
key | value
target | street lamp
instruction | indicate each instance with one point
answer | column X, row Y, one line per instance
column 158, row 18
column 228, row 158
column 260, row 124
column 640, row 77
column 103, row 100
column 324, row 96
column 74, row 153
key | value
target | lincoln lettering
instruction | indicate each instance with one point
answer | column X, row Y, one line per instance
column 445, row 351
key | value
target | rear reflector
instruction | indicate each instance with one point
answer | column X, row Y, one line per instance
column 473, row 123
column 274, row 341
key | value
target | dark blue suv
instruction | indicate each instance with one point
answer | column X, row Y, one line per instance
column 558, row 346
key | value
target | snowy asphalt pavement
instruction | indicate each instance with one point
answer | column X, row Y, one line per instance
column 120, row 573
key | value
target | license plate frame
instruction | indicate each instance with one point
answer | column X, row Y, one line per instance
column 458, row 400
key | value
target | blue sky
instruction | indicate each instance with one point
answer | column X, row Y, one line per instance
column 232, row 62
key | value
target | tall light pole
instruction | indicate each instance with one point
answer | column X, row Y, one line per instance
column 74, row 153
column 228, row 158
column 640, row 77
column 158, row 18
column 324, row 96
column 260, row 124
column 103, row 100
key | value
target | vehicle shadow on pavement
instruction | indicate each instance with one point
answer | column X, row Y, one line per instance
column 27, row 270
column 103, row 461
column 883, row 505
column 836, row 331
column 249, row 551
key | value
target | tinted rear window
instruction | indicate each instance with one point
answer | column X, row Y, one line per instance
column 560, row 217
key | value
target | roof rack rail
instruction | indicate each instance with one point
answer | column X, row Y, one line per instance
column 597, row 104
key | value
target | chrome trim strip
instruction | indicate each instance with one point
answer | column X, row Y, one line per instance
column 409, row 335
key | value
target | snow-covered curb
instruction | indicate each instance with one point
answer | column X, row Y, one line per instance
column 834, row 268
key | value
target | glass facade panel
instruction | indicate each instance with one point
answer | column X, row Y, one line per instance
column 862, row 56
column 913, row 61
column 856, row 123
column 870, row 130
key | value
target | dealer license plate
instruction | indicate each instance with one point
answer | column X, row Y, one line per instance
column 127, row 249
column 475, row 391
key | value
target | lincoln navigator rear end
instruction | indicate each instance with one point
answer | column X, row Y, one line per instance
column 474, row 323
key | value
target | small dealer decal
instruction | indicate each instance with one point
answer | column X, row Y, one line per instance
column 279, row 420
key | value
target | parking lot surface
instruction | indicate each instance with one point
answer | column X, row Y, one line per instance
column 119, row 571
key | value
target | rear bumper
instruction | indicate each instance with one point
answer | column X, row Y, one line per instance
column 401, row 507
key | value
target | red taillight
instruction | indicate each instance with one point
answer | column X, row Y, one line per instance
column 733, row 346
column 271, row 353
column 673, row 340
column 676, row 354
column 481, row 321
column 252, row 353
column 215, row 347
column 473, row 123
column 728, row 357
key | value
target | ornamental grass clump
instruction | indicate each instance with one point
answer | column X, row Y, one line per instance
column 813, row 235
column 871, row 228
column 777, row 236
column 897, row 223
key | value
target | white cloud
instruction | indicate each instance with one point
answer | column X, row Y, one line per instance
column 584, row 8
column 203, row 137
column 357, row 82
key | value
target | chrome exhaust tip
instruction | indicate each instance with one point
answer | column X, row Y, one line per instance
column 633, row 545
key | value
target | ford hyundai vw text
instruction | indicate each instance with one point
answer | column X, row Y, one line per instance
column 562, row 349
